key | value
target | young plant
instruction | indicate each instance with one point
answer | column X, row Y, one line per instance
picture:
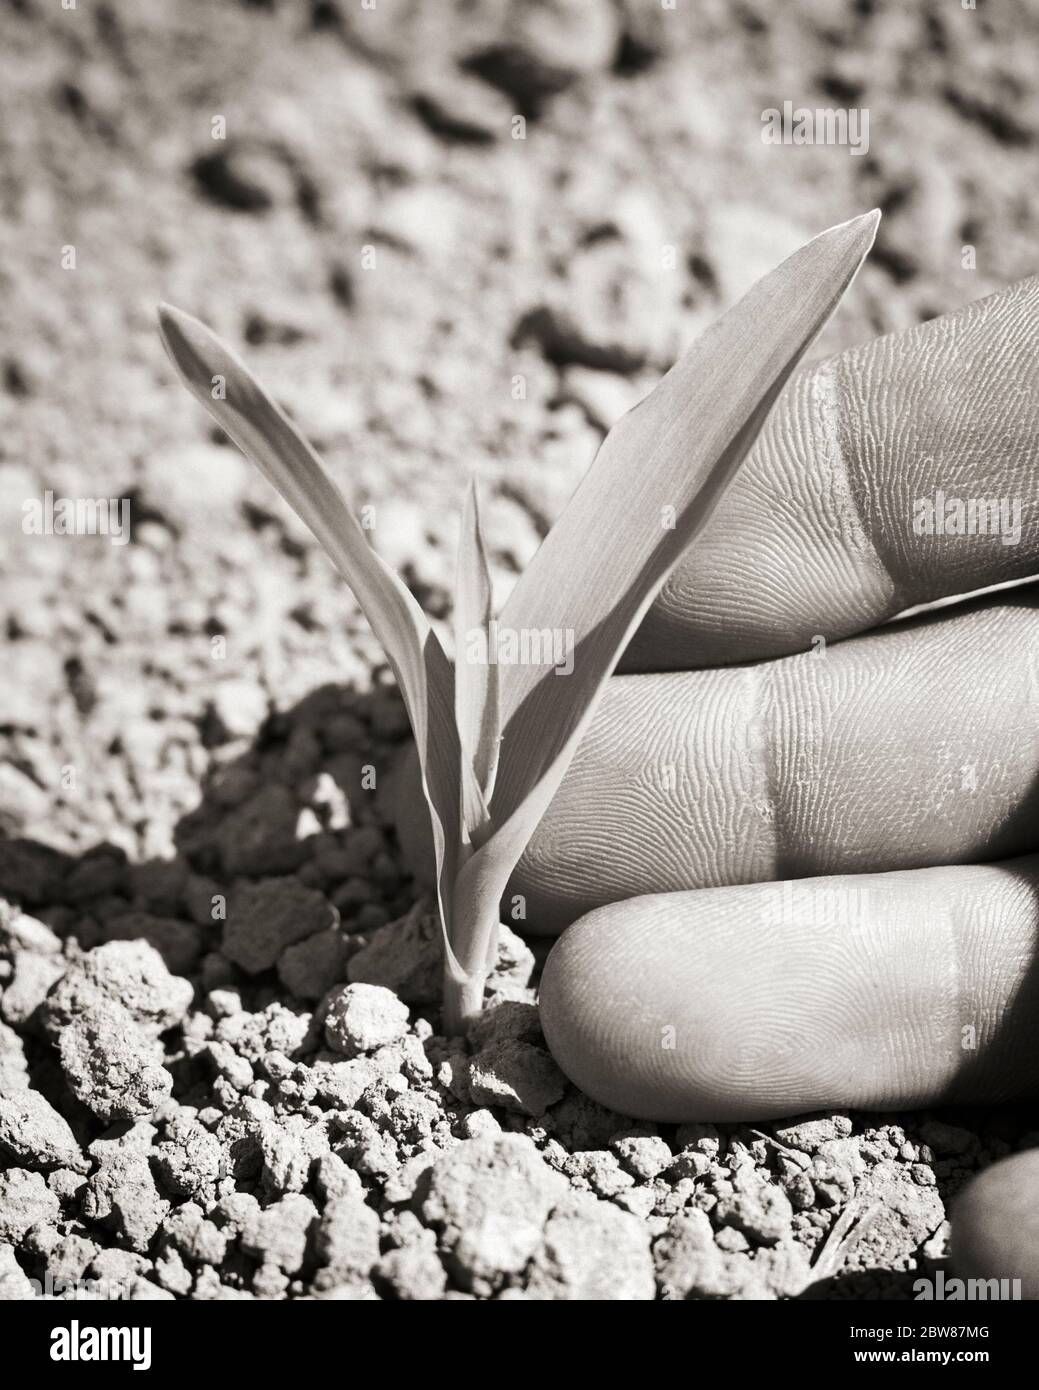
column 494, row 740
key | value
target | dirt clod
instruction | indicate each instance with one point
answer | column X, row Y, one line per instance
column 360, row 1018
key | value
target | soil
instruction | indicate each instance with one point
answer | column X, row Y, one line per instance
column 220, row 1075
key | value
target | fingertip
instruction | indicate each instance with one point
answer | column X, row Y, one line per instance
column 579, row 1018
column 611, row 1016
column 995, row 1226
column 780, row 998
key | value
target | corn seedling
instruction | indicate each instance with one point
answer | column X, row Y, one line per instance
column 494, row 740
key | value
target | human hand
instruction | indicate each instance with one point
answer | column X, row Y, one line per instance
column 905, row 748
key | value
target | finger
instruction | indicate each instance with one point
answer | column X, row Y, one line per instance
column 824, row 530
column 872, row 991
column 995, row 1227
column 914, row 745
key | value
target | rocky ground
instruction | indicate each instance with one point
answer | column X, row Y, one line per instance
column 220, row 1070
column 247, row 1098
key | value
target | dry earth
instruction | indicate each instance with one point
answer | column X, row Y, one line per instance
column 259, row 1106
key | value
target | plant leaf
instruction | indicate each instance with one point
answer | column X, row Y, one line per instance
column 606, row 558
column 265, row 435
column 477, row 690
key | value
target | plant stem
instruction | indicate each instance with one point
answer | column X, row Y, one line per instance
column 463, row 1001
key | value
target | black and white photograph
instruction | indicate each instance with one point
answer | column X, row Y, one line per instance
column 519, row 695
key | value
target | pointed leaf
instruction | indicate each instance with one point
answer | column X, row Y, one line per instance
column 476, row 670
column 265, row 435
column 657, row 477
